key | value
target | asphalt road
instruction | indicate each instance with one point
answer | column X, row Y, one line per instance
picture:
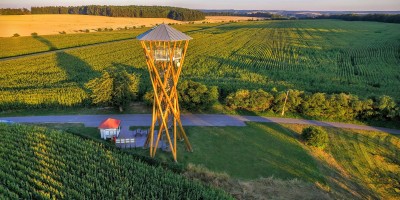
column 187, row 120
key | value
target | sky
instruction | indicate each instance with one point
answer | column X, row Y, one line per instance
column 320, row 5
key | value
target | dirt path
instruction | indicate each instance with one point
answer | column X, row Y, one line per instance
column 187, row 120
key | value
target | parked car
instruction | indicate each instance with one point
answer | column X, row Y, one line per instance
column 6, row 121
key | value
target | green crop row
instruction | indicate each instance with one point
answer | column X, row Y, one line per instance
column 26, row 45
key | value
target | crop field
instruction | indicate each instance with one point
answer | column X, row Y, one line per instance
column 53, row 24
column 331, row 56
column 48, row 24
column 44, row 164
column 27, row 45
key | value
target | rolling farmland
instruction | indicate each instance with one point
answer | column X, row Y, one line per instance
column 331, row 56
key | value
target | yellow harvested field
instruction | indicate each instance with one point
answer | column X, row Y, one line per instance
column 24, row 25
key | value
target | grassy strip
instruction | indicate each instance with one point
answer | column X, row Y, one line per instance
column 363, row 163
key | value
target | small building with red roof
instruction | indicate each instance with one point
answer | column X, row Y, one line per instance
column 110, row 128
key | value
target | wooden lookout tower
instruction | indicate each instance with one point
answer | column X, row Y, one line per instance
column 165, row 50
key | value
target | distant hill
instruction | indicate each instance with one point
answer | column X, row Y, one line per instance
column 301, row 13
column 379, row 16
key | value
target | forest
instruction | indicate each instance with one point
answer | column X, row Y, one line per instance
column 256, row 14
column 371, row 17
column 14, row 11
column 182, row 14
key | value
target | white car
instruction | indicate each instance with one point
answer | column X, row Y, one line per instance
column 6, row 121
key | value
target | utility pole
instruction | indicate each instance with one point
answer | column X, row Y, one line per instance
column 284, row 104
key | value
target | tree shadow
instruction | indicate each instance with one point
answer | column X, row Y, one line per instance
column 46, row 42
column 77, row 70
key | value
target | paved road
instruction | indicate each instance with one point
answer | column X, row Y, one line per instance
column 63, row 49
column 187, row 120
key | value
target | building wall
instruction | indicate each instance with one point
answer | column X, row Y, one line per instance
column 109, row 133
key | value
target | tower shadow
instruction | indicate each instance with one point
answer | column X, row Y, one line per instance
column 46, row 42
column 77, row 70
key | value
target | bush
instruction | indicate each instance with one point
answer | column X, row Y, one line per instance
column 255, row 100
column 16, row 35
column 195, row 96
column 62, row 32
column 315, row 136
column 293, row 102
column 116, row 87
column 34, row 34
column 148, row 98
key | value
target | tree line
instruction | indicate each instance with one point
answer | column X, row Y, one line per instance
column 317, row 105
column 14, row 11
column 175, row 13
column 254, row 14
column 370, row 17
column 195, row 96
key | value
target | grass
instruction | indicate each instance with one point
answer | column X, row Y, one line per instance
column 250, row 152
column 366, row 162
column 134, row 108
column 257, row 150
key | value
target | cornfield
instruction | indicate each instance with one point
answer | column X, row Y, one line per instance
column 37, row 163
column 330, row 56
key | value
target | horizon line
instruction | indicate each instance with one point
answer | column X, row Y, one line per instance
column 323, row 10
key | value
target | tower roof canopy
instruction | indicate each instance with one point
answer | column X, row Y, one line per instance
column 163, row 32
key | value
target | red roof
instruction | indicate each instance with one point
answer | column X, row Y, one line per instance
column 110, row 123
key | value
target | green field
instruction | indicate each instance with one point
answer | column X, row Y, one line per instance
column 360, row 58
column 44, row 164
column 367, row 162
column 257, row 150
column 364, row 163
column 27, row 45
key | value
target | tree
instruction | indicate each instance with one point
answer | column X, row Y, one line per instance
column 196, row 96
column 315, row 136
column 386, row 107
column 292, row 104
column 315, row 105
column 255, row 100
column 192, row 96
column 115, row 87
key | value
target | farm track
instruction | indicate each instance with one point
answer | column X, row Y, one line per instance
column 62, row 49
column 188, row 120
